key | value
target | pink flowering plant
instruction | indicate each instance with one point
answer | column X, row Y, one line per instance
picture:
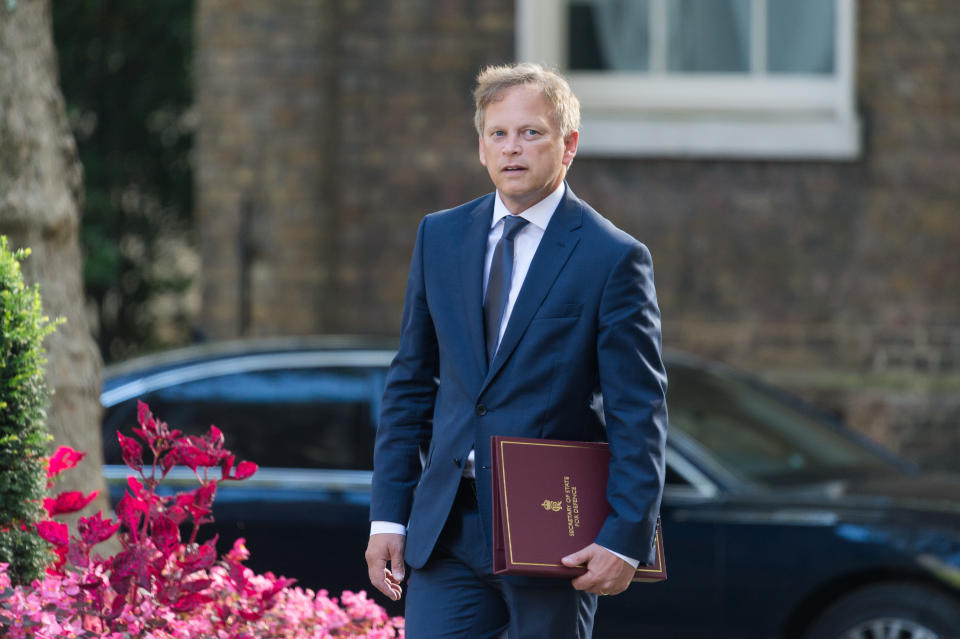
column 161, row 585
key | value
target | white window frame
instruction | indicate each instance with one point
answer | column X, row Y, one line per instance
column 710, row 115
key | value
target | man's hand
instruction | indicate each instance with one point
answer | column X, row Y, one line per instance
column 606, row 573
column 381, row 549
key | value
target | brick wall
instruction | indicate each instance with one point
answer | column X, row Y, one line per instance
column 265, row 104
column 341, row 123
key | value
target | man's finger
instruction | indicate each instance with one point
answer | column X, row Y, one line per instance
column 606, row 573
column 375, row 568
column 396, row 562
column 377, row 578
column 380, row 549
column 588, row 580
column 577, row 558
column 395, row 589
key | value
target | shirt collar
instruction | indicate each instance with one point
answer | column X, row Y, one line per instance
column 539, row 214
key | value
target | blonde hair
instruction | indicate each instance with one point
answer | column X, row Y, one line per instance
column 494, row 80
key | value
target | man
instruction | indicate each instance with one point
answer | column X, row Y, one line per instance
column 523, row 308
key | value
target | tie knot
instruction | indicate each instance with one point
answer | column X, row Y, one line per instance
column 512, row 225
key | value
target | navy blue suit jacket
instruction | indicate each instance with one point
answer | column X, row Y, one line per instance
column 585, row 322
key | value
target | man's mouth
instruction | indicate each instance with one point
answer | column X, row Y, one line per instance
column 514, row 168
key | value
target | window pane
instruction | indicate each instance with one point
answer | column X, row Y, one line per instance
column 708, row 35
column 801, row 36
column 757, row 434
column 305, row 418
column 610, row 35
column 673, row 478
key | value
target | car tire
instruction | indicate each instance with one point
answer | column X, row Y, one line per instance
column 901, row 610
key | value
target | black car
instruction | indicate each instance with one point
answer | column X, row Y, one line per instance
column 777, row 522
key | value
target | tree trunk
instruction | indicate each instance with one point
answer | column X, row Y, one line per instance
column 41, row 184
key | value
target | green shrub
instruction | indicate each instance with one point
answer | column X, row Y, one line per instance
column 23, row 432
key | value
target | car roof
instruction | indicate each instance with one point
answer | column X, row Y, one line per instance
column 206, row 351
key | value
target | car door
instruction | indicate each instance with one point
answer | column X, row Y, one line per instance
column 689, row 601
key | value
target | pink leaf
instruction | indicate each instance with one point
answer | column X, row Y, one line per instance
column 64, row 459
column 245, row 469
column 198, row 502
column 131, row 566
column 54, row 532
column 201, row 557
column 168, row 460
column 204, row 495
column 226, row 466
column 129, row 511
column 250, row 615
column 190, row 602
column 95, row 529
column 136, row 487
column 279, row 584
column 79, row 554
column 197, row 585
column 117, row 607
column 239, row 552
column 132, row 451
column 215, row 436
column 165, row 534
column 68, row 502
column 194, row 452
column 145, row 418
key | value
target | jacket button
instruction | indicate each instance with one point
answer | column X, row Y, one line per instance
column 481, row 410
column 456, row 460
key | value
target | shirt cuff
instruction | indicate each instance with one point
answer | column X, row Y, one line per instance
column 381, row 527
column 630, row 560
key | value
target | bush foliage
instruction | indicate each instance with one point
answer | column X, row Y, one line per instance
column 23, row 432
column 163, row 584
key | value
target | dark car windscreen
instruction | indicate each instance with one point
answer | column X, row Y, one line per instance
column 288, row 418
column 756, row 434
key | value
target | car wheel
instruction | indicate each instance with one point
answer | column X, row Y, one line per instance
column 889, row 611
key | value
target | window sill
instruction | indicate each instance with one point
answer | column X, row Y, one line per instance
column 737, row 136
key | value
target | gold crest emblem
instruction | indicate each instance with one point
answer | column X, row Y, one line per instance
column 551, row 505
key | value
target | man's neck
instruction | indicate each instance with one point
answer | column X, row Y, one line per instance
column 551, row 201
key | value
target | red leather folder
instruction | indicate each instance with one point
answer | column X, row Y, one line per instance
column 549, row 500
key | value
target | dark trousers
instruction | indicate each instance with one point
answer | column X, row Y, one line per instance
column 456, row 595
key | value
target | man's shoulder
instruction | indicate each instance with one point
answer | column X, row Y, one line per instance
column 600, row 231
column 463, row 212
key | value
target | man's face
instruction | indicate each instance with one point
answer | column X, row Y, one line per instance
column 522, row 149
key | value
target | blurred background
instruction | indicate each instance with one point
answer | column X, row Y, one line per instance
column 259, row 168
column 194, row 171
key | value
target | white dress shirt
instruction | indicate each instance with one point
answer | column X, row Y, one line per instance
column 525, row 245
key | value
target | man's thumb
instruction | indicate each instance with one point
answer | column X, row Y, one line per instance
column 575, row 559
column 396, row 565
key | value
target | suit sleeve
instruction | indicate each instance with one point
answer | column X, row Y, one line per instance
column 633, row 382
column 406, row 413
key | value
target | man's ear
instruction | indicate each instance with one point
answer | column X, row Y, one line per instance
column 483, row 160
column 570, row 147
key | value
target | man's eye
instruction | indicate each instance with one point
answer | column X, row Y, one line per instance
column 532, row 132
column 498, row 134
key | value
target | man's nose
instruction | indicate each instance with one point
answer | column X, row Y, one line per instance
column 512, row 147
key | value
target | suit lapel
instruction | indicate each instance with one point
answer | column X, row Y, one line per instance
column 559, row 240
column 474, row 248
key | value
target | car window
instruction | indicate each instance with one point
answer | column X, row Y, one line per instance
column 291, row 418
column 673, row 478
column 755, row 433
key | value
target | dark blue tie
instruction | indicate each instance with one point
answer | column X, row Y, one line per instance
column 498, row 282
